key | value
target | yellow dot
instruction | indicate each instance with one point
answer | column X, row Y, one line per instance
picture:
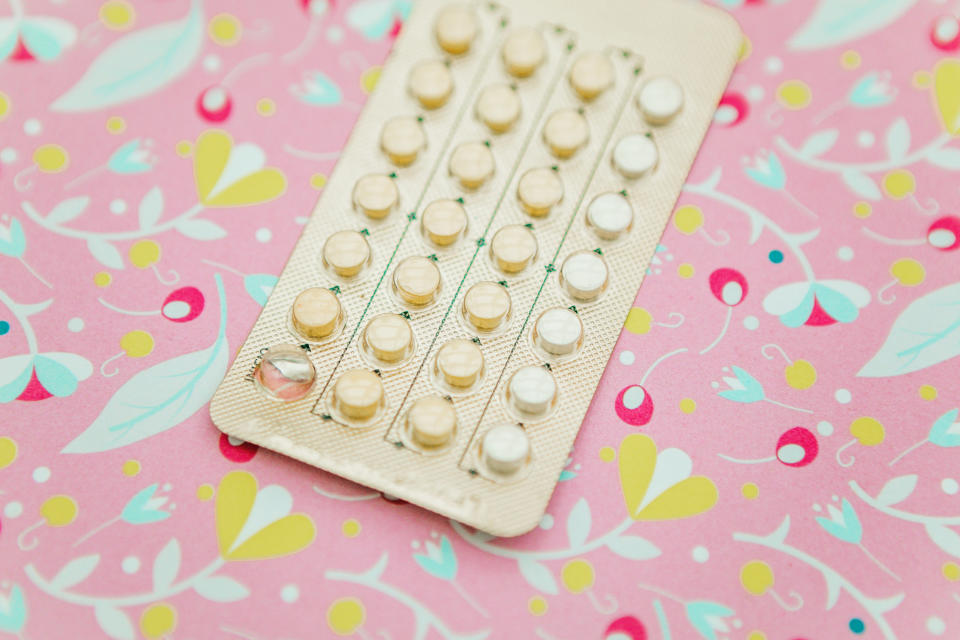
column 922, row 79
column 607, row 454
column 928, row 392
column 59, row 510
column 688, row 405
column 51, row 158
column 350, row 528
column 908, row 272
column 577, row 575
column 266, row 107
column 850, row 60
column 131, row 468
column 638, row 321
column 116, row 14
column 205, row 492
column 899, row 183
column 345, row 615
column 102, row 279
column 750, row 491
column 116, row 125
column 794, row 94
column 746, row 48
column 369, row 79
column 8, row 451
column 537, row 605
column 4, row 105
column 318, row 181
column 225, row 29
column 951, row 571
column 137, row 343
column 687, row 219
column 158, row 620
column 685, row 270
column 184, row 148
column 757, row 635
column 862, row 209
column 144, row 253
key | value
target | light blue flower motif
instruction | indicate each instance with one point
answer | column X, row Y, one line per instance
column 844, row 525
column 13, row 611
column 145, row 507
column 133, row 157
column 818, row 303
column 743, row 388
column 12, row 241
column 708, row 618
column 872, row 90
column 316, row 88
column 766, row 169
column 376, row 18
column 945, row 432
column 440, row 562
column 259, row 286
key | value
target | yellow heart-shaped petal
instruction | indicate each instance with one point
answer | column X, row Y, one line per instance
column 637, row 459
column 260, row 186
column 210, row 156
column 688, row 497
column 946, row 86
column 235, row 496
column 287, row 535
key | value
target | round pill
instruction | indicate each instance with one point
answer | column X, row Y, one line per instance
column 346, row 253
column 375, row 195
column 443, row 222
column 388, row 337
column 565, row 132
column 523, row 51
column 591, row 75
column 486, row 306
column 532, row 390
column 660, row 99
column 471, row 163
column 285, row 372
column 635, row 155
column 460, row 363
column 513, row 248
column 584, row 275
column 498, row 107
column 431, row 83
column 402, row 138
column 609, row 215
column 455, row 28
column 539, row 190
column 505, row 449
column 417, row 280
column 358, row 394
column 432, row 421
column 316, row 313
column 558, row 331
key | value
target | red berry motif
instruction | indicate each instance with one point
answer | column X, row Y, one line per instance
column 625, row 628
column 729, row 286
column 214, row 104
column 240, row 452
column 732, row 109
column 797, row 447
column 944, row 233
column 634, row 405
column 183, row 305
column 945, row 33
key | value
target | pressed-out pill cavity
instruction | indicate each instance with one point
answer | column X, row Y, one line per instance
column 523, row 51
column 346, row 253
column 459, row 363
column 584, row 275
column 285, row 372
column 471, row 163
column 486, row 306
column 358, row 394
column 591, row 75
column 375, row 195
column 513, row 248
column 498, row 107
column 431, row 83
column 565, row 132
column 402, row 138
column 660, row 100
column 609, row 215
column 532, row 391
column 505, row 449
column 558, row 331
column 432, row 421
column 416, row 280
column 539, row 190
column 456, row 28
column 316, row 313
column 388, row 338
column 443, row 222
column 635, row 155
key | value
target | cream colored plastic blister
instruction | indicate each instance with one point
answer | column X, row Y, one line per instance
column 484, row 234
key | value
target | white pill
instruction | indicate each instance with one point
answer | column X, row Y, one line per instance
column 635, row 155
column 584, row 275
column 660, row 100
column 558, row 331
column 532, row 390
column 505, row 448
column 609, row 215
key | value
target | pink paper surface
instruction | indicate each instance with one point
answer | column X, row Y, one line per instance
column 124, row 512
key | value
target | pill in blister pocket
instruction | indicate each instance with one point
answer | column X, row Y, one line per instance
column 460, row 363
column 443, row 222
column 316, row 313
column 431, row 83
column 417, row 280
column 432, row 421
column 635, row 155
column 558, row 331
column 609, row 215
column 523, row 51
column 375, row 195
column 505, row 449
column 498, row 107
column 539, row 190
column 486, row 306
column 660, row 99
column 513, row 248
column 584, row 275
column 358, row 394
column 471, row 163
column 402, row 138
column 388, row 337
column 285, row 372
column 591, row 75
column 455, row 28
column 532, row 390
column 565, row 132
column 346, row 253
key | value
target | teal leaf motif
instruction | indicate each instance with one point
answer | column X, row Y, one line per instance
column 834, row 23
column 221, row 589
column 537, row 575
column 945, row 432
column 259, row 286
column 578, row 523
column 114, row 622
column 14, row 615
column 708, row 618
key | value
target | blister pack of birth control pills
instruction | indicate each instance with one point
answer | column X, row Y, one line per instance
column 443, row 322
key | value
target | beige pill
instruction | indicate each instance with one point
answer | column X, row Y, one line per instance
column 486, row 306
column 591, row 75
column 539, row 190
column 471, row 163
column 346, row 253
column 432, row 421
column 358, row 394
column 532, row 390
column 523, row 51
column 316, row 313
column 505, row 449
column 660, row 99
column 455, row 28
column 431, row 83
column 388, row 337
column 565, row 132
column 635, row 155
column 285, row 372
column 460, row 363
column 513, row 248
column 375, row 195
column 609, row 215
column 584, row 275
column 443, row 222
column 558, row 331
column 402, row 138
column 417, row 280
column 498, row 107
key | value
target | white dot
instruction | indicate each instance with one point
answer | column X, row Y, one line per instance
column 335, row 34
column 936, row 625
column 842, row 396
column 824, row 428
column 627, row 358
column 755, row 93
column 290, row 593
column 211, row 63
column 773, row 64
column 32, row 127
column 866, row 139
column 546, row 522
column 75, row 324
column 751, row 323
column 13, row 510
column 415, row 544
column 118, row 206
column 8, row 155
column 700, row 554
column 41, row 474
column 737, row 623
column 130, row 564
column 949, row 486
column 263, row 234
column 817, row 507
column 715, row 384
column 845, row 254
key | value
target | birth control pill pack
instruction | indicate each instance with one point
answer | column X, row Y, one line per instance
column 440, row 328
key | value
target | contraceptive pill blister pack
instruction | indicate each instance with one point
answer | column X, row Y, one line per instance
column 442, row 324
